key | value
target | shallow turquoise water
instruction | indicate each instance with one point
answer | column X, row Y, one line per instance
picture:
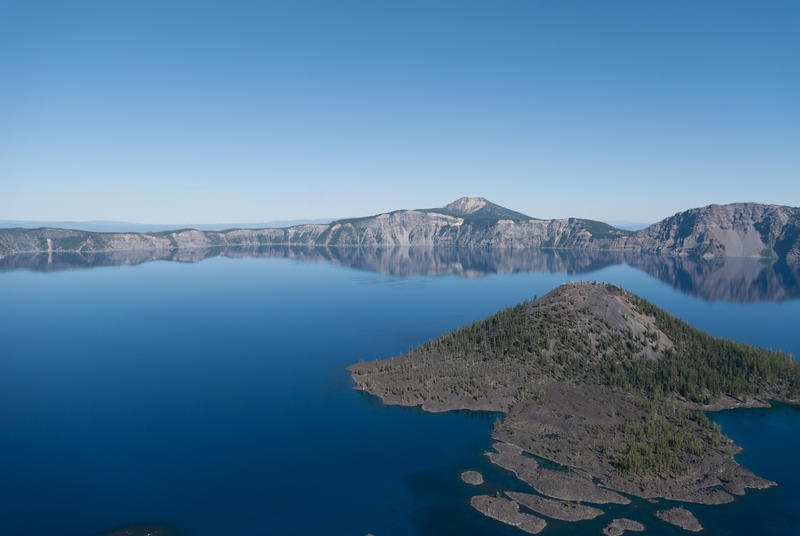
column 213, row 397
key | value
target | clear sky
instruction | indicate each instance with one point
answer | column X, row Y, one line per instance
column 209, row 112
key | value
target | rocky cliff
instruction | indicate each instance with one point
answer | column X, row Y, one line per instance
column 737, row 230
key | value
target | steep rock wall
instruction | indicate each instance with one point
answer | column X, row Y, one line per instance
column 736, row 230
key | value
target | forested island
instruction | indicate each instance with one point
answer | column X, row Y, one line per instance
column 603, row 394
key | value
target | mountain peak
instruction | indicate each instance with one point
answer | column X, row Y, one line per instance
column 467, row 205
column 478, row 208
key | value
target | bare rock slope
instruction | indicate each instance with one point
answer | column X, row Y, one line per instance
column 735, row 230
column 743, row 230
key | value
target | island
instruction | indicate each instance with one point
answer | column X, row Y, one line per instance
column 618, row 527
column 680, row 517
column 507, row 511
column 600, row 394
column 472, row 477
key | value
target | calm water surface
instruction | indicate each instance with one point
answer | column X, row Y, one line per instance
column 212, row 396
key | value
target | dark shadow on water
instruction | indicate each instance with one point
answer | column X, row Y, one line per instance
column 141, row 529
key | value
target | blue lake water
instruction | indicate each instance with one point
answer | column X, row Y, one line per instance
column 212, row 395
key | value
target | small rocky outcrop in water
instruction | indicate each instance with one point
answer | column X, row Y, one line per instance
column 680, row 517
column 507, row 512
column 618, row 527
column 472, row 477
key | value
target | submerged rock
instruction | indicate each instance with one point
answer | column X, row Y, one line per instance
column 140, row 530
column 507, row 512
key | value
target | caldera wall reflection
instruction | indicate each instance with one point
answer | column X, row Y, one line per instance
column 725, row 278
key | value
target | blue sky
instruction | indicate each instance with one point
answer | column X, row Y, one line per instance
column 208, row 112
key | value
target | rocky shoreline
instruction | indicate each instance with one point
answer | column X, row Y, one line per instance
column 507, row 511
column 563, row 485
column 554, row 509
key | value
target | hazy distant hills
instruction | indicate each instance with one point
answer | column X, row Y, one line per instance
column 735, row 230
column 104, row 226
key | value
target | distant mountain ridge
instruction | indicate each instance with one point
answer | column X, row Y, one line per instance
column 735, row 230
column 107, row 226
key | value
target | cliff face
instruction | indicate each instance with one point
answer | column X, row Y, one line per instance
column 738, row 230
column 418, row 228
column 402, row 228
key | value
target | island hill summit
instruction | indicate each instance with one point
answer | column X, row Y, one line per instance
column 601, row 393
column 735, row 230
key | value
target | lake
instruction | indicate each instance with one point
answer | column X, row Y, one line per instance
column 206, row 390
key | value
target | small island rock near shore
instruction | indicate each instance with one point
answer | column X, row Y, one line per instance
column 472, row 477
column 507, row 512
column 680, row 517
column 602, row 393
column 618, row 527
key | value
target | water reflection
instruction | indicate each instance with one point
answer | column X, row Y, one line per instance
column 727, row 279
